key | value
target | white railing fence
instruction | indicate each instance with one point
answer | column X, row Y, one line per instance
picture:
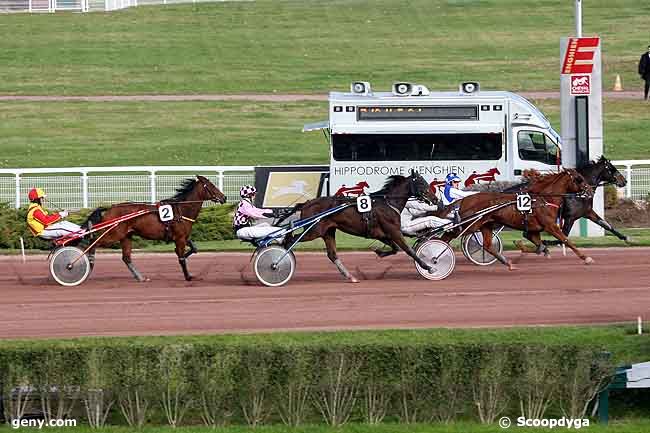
column 83, row 5
column 88, row 187
column 637, row 174
column 44, row 5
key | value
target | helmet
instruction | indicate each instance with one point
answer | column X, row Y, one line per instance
column 247, row 191
column 452, row 177
column 35, row 194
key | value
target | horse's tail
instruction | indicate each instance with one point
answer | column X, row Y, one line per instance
column 96, row 216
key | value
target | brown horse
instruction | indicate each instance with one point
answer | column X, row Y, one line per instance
column 547, row 191
column 186, row 205
column 382, row 222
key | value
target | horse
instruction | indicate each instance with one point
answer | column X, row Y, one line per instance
column 596, row 173
column 186, row 205
column 548, row 192
column 382, row 222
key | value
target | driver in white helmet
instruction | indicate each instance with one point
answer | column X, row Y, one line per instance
column 247, row 213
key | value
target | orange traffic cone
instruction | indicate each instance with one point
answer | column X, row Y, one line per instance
column 618, row 87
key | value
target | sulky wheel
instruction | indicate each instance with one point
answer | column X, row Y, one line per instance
column 69, row 266
column 274, row 266
column 472, row 246
column 438, row 254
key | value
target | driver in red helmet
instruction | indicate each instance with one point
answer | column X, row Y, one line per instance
column 43, row 224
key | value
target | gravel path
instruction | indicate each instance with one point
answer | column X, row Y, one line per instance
column 390, row 295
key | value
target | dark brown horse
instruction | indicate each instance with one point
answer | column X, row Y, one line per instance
column 186, row 205
column 382, row 222
column 547, row 191
column 596, row 173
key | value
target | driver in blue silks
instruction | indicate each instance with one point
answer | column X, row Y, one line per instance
column 452, row 191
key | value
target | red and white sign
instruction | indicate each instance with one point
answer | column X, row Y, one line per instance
column 579, row 58
column 581, row 84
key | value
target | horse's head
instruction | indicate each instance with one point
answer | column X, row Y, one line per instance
column 420, row 188
column 576, row 183
column 209, row 191
column 530, row 174
column 609, row 173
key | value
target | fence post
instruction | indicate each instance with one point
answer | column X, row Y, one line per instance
column 29, row 7
column 153, row 186
column 84, row 189
column 17, row 190
column 221, row 180
column 628, row 175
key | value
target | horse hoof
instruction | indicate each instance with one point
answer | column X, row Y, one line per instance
column 353, row 280
column 512, row 267
column 589, row 261
column 628, row 240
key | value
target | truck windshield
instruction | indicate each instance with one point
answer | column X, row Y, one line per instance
column 416, row 147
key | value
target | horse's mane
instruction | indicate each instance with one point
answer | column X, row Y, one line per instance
column 389, row 184
column 185, row 188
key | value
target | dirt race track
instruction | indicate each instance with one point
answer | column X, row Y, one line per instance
column 560, row 290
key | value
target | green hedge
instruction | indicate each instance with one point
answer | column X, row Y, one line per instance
column 218, row 383
column 214, row 223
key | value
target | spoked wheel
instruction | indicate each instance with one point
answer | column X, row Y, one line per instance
column 69, row 266
column 271, row 268
column 439, row 255
column 472, row 246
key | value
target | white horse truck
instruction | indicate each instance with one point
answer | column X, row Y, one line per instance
column 482, row 136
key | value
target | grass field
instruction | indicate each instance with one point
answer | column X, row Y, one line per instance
column 311, row 46
column 344, row 242
column 621, row 340
column 217, row 133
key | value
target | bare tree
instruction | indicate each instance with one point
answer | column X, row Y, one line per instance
column 490, row 388
column 253, row 398
column 538, row 382
column 216, row 382
column 337, row 393
column 96, row 396
column 582, row 381
column 174, row 387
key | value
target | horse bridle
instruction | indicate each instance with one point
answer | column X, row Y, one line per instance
column 211, row 196
column 414, row 193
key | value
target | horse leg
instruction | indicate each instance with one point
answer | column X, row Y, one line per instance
column 398, row 239
column 394, row 249
column 126, row 258
column 486, row 232
column 91, row 258
column 566, row 229
column 192, row 250
column 182, row 258
column 593, row 216
column 330, row 244
column 540, row 246
column 555, row 231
